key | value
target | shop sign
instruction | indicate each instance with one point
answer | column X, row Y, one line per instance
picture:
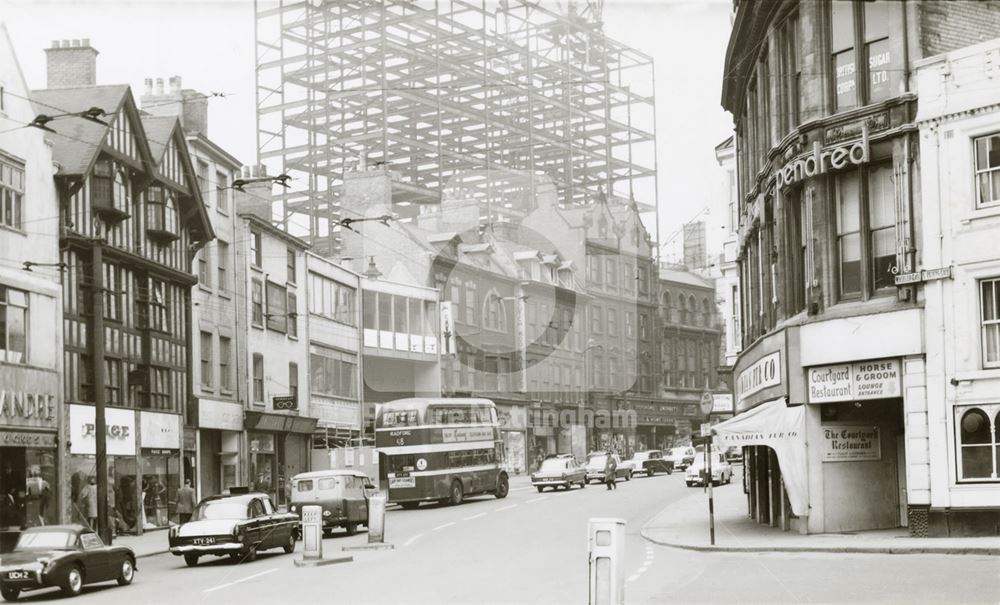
column 27, row 398
column 220, row 415
column 261, row 443
column 821, row 161
column 863, row 380
column 764, row 373
column 722, row 404
column 285, row 402
column 160, row 430
column 120, row 431
column 27, row 439
column 851, row 443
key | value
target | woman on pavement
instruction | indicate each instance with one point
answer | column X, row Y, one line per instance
column 609, row 470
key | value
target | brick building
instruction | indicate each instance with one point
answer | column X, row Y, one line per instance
column 829, row 191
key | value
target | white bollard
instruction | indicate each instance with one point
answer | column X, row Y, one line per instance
column 606, row 540
column 376, row 518
column 312, row 532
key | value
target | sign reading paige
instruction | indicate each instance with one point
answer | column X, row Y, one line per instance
column 821, row 161
column 851, row 443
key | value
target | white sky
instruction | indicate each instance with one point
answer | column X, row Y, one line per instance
column 210, row 45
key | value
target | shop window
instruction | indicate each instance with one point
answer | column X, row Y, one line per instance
column 987, row 170
column 28, row 484
column 258, row 378
column 989, row 293
column 979, row 442
column 11, row 194
column 13, row 325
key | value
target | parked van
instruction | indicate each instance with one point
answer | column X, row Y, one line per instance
column 343, row 495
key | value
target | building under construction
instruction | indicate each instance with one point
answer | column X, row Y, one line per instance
column 463, row 99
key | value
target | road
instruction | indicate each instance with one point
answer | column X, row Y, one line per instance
column 532, row 548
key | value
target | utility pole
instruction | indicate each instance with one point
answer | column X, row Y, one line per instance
column 97, row 360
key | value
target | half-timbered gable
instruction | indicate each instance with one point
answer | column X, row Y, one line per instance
column 128, row 197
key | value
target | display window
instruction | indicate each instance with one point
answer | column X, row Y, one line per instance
column 160, row 480
column 28, row 487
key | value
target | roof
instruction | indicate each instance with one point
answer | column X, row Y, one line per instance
column 77, row 141
column 684, row 277
column 247, row 497
column 329, row 473
column 158, row 131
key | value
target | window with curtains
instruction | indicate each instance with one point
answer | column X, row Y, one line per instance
column 989, row 293
column 206, row 359
column 258, row 377
column 864, row 68
column 978, row 442
column 987, row 168
column 13, row 325
column 866, row 238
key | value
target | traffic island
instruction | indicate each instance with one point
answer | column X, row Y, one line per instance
column 304, row 562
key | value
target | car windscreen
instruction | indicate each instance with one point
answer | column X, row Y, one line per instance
column 220, row 509
column 641, row 456
column 46, row 540
column 597, row 460
column 304, row 486
column 553, row 464
column 331, row 483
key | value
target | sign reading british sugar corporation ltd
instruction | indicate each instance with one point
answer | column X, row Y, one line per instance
column 879, row 379
column 764, row 373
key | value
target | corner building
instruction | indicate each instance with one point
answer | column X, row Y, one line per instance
column 830, row 389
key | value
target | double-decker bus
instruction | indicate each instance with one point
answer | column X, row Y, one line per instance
column 440, row 449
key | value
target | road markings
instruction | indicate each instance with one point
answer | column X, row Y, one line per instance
column 444, row 526
column 632, row 578
column 474, row 517
column 412, row 540
column 535, row 499
column 228, row 584
column 505, row 508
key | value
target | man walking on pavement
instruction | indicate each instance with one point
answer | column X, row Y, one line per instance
column 185, row 502
column 610, row 469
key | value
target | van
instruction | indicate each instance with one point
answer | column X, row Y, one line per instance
column 342, row 494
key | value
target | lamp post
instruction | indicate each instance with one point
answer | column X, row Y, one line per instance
column 588, row 369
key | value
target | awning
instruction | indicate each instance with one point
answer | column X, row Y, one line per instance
column 781, row 428
column 280, row 423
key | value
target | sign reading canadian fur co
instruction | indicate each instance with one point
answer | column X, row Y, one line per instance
column 863, row 380
column 851, row 443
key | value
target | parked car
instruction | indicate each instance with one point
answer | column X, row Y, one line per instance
column 680, row 456
column 734, row 454
column 343, row 496
column 559, row 472
column 651, row 462
column 238, row 526
column 722, row 472
column 63, row 556
column 595, row 467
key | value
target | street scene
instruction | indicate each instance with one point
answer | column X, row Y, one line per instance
column 500, row 301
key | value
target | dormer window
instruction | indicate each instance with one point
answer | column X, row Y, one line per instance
column 161, row 214
column 110, row 191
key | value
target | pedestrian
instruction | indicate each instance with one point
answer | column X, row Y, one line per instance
column 610, row 468
column 185, row 502
column 88, row 502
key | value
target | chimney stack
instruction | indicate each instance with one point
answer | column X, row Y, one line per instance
column 71, row 63
column 256, row 196
column 189, row 105
column 159, row 87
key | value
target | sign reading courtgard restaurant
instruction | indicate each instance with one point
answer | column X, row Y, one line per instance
column 879, row 379
column 763, row 373
column 851, row 443
column 821, row 161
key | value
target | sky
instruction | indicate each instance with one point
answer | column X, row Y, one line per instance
column 210, row 44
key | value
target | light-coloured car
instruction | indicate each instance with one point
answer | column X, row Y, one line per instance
column 558, row 472
column 595, row 467
column 681, row 456
column 650, row 462
column 696, row 473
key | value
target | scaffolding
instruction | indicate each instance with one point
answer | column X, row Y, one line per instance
column 449, row 94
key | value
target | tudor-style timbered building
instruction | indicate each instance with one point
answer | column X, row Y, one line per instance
column 131, row 220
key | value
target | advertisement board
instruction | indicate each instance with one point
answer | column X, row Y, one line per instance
column 879, row 379
column 851, row 443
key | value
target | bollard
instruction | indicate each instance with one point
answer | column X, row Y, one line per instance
column 606, row 540
column 312, row 540
column 376, row 524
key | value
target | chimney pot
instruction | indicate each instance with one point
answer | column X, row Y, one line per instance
column 76, row 42
column 86, row 42
column 159, row 86
column 175, row 84
column 149, row 85
column 55, row 44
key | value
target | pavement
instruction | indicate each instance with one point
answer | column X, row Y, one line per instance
column 684, row 524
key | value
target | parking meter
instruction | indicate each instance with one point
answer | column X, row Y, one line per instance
column 606, row 541
column 376, row 517
column 312, row 532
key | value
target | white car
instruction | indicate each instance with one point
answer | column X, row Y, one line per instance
column 722, row 472
column 680, row 456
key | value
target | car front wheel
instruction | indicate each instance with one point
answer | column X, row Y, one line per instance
column 72, row 583
column 127, row 572
column 9, row 593
column 191, row 560
column 289, row 546
column 539, row 488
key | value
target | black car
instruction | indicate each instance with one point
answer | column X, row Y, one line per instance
column 650, row 462
column 63, row 556
column 238, row 526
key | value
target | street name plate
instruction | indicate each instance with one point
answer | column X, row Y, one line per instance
column 907, row 278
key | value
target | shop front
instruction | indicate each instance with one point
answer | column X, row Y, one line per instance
column 126, row 496
column 218, row 445
column 160, row 462
column 513, row 421
column 278, row 447
column 29, row 422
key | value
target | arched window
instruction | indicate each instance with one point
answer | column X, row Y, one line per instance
column 692, row 310
column 120, row 189
column 706, row 312
column 494, row 312
column 978, row 442
column 170, row 214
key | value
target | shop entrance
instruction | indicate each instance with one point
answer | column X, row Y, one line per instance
column 27, row 487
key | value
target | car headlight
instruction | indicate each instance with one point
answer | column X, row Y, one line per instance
column 326, row 513
column 293, row 508
column 47, row 565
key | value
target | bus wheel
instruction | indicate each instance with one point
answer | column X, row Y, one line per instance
column 503, row 486
column 457, row 493
column 352, row 528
